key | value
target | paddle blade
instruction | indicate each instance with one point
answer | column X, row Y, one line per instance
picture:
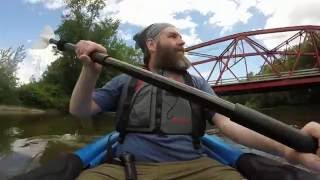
column 45, row 36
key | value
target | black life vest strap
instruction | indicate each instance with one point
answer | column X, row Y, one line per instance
column 124, row 117
column 158, row 117
column 198, row 123
column 109, row 155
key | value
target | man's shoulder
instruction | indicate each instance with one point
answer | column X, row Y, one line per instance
column 120, row 79
column 117, row 81
column 197, row 78
column 198, row 81
column 202, row 84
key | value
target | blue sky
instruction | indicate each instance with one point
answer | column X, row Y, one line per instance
column 198, row 20
column 22, row 21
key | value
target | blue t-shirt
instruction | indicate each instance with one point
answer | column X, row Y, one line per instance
column 149, row 147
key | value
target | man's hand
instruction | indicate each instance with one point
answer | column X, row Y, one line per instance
column 81, row 103
column 311, row 161
column 83, row 51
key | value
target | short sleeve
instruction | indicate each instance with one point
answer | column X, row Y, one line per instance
column 107, row 97
column 203, row 85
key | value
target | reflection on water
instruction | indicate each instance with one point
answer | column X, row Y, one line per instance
column 25, row 154
column 18, row 127
column 28, row 141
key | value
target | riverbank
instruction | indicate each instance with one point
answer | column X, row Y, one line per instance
column 297, row 115
column 6, row 110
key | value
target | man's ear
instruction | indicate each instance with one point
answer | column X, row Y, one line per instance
column 151, row 45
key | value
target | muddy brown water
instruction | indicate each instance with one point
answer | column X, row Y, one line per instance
column 28, row 140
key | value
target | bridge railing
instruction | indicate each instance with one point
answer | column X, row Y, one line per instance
column 267, row 77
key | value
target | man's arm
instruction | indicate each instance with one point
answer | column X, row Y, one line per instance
column 255, row 140
column 247, row 137
column 239, row 133
column 81, row 102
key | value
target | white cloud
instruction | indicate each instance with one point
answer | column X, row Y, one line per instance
column 228, row 13
column 125, row 35
column 191, row 38
column 49, row 4
column 272, row 40
column 145, row 12
column 288, row 13
column 222, row 13
column 35, row 63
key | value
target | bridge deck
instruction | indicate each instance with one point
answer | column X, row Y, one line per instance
column 265, row 83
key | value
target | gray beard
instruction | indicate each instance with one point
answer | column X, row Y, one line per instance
column 182, row 64
column 169, row 59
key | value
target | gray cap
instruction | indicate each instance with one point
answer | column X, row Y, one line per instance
column 149, row 32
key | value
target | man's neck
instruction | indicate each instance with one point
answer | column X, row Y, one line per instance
column 152, row 66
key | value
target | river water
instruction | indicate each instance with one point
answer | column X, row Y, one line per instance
column 26, row 141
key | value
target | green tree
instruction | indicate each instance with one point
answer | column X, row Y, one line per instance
column 9, row 60
column 83, row 21
column 43, row 95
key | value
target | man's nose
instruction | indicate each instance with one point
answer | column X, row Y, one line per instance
column 181, row 42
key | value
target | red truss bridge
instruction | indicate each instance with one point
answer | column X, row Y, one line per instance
column 260, row 60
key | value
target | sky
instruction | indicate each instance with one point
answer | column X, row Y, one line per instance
column 198, row 20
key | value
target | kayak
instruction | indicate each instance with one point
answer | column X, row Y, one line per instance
column 215, row 148
column 251, row 166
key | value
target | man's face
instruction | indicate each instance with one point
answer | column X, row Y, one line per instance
column 170, row 51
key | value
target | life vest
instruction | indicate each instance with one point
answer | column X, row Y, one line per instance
column 144, row 108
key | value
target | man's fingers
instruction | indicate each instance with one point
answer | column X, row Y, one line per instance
column 85, row 59
column 79, row 48
column 88, row 47
column 311, row 161
column 318, row 152
column 312, row 128
column 97, row 48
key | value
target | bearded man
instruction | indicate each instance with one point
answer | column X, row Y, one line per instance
column 161, row 129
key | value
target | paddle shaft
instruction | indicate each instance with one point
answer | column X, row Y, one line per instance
column 238, row 113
